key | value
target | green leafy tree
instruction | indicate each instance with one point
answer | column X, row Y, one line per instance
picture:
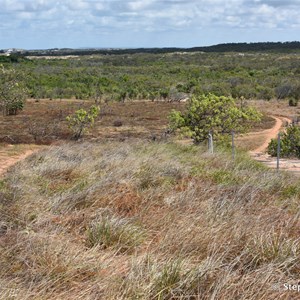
column 213, row 114
column 12, row 92
column 81, row 120
column 289, row 143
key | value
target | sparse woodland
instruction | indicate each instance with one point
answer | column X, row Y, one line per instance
column 252, row 75
column 129, row 213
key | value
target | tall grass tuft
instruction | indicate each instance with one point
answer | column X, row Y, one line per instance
column 114, row 232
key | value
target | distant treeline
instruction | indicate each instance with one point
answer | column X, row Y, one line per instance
column 13, row 58
column 230, row 47
column 162, row 76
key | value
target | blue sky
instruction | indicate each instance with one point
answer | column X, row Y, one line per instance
column 40, row 24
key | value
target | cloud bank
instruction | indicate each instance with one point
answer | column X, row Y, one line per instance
column 117, row 23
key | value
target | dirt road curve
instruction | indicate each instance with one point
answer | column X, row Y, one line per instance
column 259, row 154
column 270, row 134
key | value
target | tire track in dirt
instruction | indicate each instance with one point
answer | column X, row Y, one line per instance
column 7, row 161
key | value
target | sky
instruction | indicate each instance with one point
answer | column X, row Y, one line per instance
column 44, row 24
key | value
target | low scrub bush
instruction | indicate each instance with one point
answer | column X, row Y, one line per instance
column 289, row 143
column 82, row 120
column 293, row 102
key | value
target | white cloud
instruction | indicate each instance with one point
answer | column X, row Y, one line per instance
column 139, row 4
column 78, row 5
column 91, row 17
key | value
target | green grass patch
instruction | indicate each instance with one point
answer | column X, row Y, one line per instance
column 113, row 232
column 226, row 177
column 291, row 191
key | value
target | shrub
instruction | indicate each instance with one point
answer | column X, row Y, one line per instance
column 293, row 101
column 283, row 91
column 265, row 93
column 82, row 120
column 213, row 114
column 289, row 143
column 12, row 92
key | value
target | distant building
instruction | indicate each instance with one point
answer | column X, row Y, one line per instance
column 10, row 51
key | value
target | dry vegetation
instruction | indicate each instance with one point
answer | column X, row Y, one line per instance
column 44, row 121
column 144, row 220
column 116, row 216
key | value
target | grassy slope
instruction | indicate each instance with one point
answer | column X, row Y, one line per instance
column 146, row 221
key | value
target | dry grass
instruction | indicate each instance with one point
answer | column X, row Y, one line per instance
column 276, row 108
column 44, row 122
column 147, row 221
column 9, row 150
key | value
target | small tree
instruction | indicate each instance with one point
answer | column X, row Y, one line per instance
column 289, row 143
column 82, row 120
column 212, row 114
column 283, row 91
column 12, row 92
column 293, row 101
